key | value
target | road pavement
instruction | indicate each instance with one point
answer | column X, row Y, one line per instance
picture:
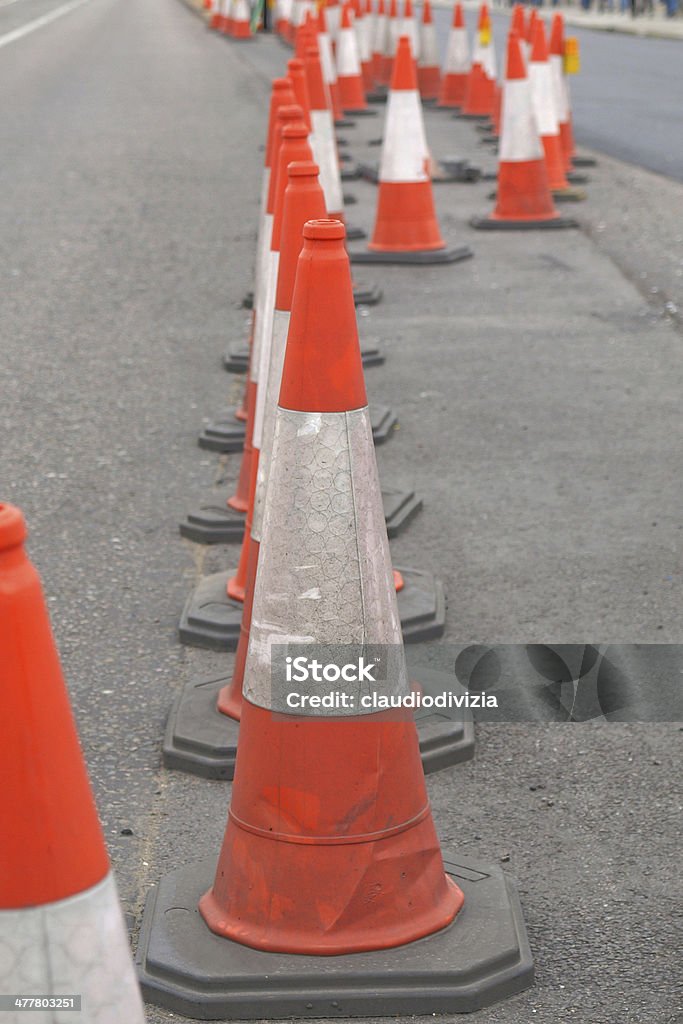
column 538, row 392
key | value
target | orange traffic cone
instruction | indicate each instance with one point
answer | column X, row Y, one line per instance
column 543, row 102
column 330, row 849
column 406, row 228
column 361, row 27
column 349, row 76
column 380, row 43
column 481, row 81
column 428, row 70
column 457, row 65
column 524, row 199
column 557, row 54
column 322, row 135
column 329, row 67
column 241, row 20
column 61, row 927
column 216, row 19
column 409, row 28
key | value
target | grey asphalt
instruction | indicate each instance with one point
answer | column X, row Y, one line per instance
column 538, row 391
column 627, row 98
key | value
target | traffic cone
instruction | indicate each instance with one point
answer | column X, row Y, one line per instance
column 296, row 72
column 518, row 25
column 528, row 37
column 329, row 68
column 363, row 42
column 349, row 77
column 323, row 142
column 61, row 927
column 330, row 849
column 557, row 60
column 409, row 29
column 283, row 18
column 332, row 15
column 456, row 67
column 543, row 102
column 380, row 42
column 523, row 198
column 428, row 72
column 395, row 27
column 406, row 228
column 216, row 19
column 481, row 81
column 241, row 20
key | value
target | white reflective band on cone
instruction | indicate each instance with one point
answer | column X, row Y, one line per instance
column 324, row 571
column 429, row 54
column 227, row 8
column 242, row 12
column 477, row 51
column 519, row 141
column 560, row 95
column 325, row 155
column 348, row 61
column 262, row 261
column 410, row 29
column 540, row 82
column 457, row 54
column 488, row 60
column 265, row 336
column 404, row 153
column 333, row 21
column 277, row 359
column 363, row 29
column 326, row 58
column 76, row 946
column 381, row 34
column 286, row 10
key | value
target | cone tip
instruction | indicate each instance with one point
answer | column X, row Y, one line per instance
column 539, row 43
column 515, row 68
column 12, row 526
column 323, row 230
column 403, row 78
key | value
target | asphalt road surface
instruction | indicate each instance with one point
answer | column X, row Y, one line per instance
column 538, row 393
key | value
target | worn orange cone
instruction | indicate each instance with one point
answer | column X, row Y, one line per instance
column 481, row 81
column 349, row 75
column 523, row 198
column 457, row 65
column 428, row 70
column 406, row 229
column 62, row 932
column 330, row 849
column 543, row 101
column 241, row 20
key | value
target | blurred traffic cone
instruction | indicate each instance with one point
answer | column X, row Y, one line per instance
column 330, row 848
column 216, row 19
column 349, row 77
column 395, row 27
column 305, row 37
column 296, row 72
column 323, row 142
column 329, row 67
column 406, row 228
column 380, row 42
column 528, row 38
column 332, row 9
column 456, row 67
column 283, row 16
column 363, row 42
column 241, row 20
column 557, row 63
column 481, row 81
column 543, row 102
column 523, row 198
column 428, row 70
column 409, row 29
column 61, row 927
column 518, row 25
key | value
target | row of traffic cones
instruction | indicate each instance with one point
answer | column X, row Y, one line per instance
column 331, row 890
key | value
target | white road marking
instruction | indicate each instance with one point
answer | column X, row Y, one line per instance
column 32, row 26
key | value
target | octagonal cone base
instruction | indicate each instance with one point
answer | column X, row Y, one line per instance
column 226, row 434
column 417, row 257
column 202, row 741
column 353, row 232
column 492, row 223
column 236, row 359
column 367, row 293
column 421, row 606
column 212, row 523
column 211, row 619
column 479, row 959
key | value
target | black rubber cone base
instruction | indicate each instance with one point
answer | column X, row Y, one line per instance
column 492, row 224
column 202, row 741
column 366, row 294
column 399, row 508
column 446, row 171
column 236, row 359
column 421, row 606
column 584, row 161
column 479, row 959
column 351, row 173
column 378, row 95
column 577, row 179
column 344, row 122
column 418, row 258
column 364, row 112
column 210, row 618
column 354, row 233
column 223, row 433
column 471, row 117
column 213, row 524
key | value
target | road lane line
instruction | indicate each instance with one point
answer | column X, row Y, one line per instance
column 31, row 26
